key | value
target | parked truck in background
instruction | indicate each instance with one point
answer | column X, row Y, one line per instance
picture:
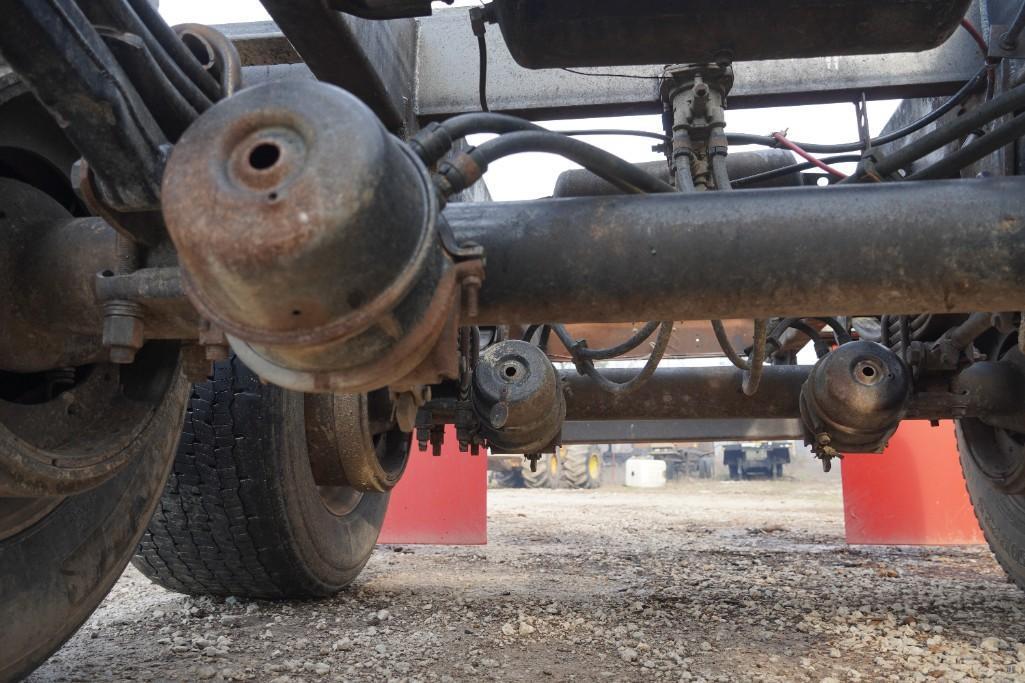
column 748, row 459
column 685, row 460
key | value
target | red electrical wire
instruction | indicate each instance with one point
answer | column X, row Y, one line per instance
column 781, row 139
column 976, row 36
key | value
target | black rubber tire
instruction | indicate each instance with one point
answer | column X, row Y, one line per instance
column 241, row 514
column 1001, row 515
column 507, row 479
column 576, row 470
column 542, row 478
column 57, row 571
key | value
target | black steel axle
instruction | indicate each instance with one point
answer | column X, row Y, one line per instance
column 940, row 246
column 680, row 393
column 706, row 393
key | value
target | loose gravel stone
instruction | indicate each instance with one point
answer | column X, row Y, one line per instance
column 705, row 581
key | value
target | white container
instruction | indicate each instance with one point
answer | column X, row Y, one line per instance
column 645, row 473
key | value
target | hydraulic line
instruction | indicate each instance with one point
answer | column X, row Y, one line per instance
column 753, row 376
column 976, row 36
column 839, row 332
column 615, row 131
column 754, row 365
column 630, row 344
column 622, row 174
column 719, row 173
column 949, row 165
column 948, row 105
column 727, row 346
column 794, row 168
column 435, row 140
column 1011, row 100
column 796, row 149
column 586, row 366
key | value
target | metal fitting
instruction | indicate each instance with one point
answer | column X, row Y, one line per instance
column 123, row 330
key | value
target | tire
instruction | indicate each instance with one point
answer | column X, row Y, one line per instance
column 1001, row 514
column 993, row 464
column 581, row 467
column 241, row 513
column 60, row 556
column 58, row 569
column 506, row 479
column 546, row 475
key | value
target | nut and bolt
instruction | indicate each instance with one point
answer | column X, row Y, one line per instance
column 123, row 330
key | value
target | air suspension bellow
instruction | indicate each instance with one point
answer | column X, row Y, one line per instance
column 306, row 232
column 854, row 399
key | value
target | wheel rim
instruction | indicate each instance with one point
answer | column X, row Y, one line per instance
column 353, row 448
column 72, row 438
column 553, row 465
column 998, row 454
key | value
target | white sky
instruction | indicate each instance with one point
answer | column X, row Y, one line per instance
column 529, row 176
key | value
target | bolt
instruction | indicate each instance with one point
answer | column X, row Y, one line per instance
column 123, row 330
column 471, row 290
column 437, row 439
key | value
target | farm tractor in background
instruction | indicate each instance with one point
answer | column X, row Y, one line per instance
column 589, row 466
column 577, row 466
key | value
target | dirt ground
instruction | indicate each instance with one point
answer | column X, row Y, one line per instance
column 713, row 581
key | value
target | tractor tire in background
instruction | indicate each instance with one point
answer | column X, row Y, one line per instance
column 581, row 467
column 242, row 513
column 505, row 479
column 547, row 474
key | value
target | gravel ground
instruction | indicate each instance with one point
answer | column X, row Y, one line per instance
column 714, row 581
